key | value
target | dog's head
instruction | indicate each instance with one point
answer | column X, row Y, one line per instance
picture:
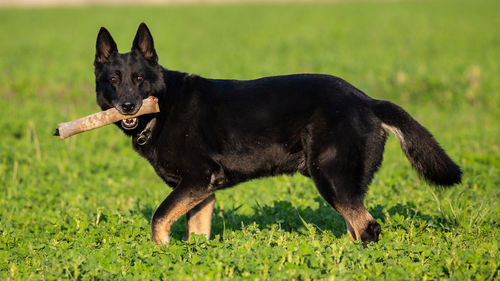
column 124, row 80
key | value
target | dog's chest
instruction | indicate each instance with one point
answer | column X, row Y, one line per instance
column 167, row 170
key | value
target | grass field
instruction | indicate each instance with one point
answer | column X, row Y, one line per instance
column 80, row 208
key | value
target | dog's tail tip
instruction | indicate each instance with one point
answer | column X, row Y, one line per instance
column 452, row 175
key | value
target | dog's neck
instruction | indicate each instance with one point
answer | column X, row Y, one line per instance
column 145, row 136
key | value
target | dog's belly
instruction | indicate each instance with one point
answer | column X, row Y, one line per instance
column 271, row 160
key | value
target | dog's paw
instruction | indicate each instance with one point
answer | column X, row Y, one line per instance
column 371, row 233
column 160, row 240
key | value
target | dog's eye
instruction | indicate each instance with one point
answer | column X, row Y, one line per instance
column 114, row 79
column 139, row 78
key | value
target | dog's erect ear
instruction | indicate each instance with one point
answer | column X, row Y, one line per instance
column 143, row 42
column 104, row 47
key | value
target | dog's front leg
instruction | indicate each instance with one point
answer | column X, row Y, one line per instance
column 199, row 219
column 182, row 199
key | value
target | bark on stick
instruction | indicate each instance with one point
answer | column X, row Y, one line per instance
column 103, row 118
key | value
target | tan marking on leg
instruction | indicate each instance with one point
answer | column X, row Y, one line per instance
column 199, row 219
column 177, row 203
column 161, row 227
column 350, row 230
column 357, row 219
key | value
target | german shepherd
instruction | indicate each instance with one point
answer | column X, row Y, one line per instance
column 212, row 134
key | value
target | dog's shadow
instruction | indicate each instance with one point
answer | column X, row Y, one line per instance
column 292, row 219
column 289, row 218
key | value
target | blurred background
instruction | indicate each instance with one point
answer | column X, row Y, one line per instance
column 141, row 2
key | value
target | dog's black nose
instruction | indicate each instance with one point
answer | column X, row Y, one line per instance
column 127, row 106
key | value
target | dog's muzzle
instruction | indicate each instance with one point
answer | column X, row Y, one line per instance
column 129, row 107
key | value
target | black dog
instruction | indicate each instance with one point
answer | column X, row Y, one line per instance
column 212, row 134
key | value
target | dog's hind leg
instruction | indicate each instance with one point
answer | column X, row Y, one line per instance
column 350, row 230
column 359, row 222
column 182, row 199
column 199, row 219
column 341, row 172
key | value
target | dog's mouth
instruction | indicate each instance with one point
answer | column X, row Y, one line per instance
column 130, row 124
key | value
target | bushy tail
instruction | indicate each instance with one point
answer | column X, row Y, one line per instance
column 420, row 147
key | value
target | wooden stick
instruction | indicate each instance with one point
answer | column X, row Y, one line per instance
column 103, row 118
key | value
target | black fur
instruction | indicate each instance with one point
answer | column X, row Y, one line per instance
column 212, row 133
column 420, row 147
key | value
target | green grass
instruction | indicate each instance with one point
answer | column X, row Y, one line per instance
column 80, row 208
